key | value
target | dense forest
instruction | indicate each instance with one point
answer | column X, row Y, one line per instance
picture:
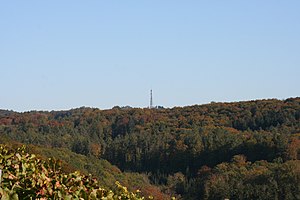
column 240, row 150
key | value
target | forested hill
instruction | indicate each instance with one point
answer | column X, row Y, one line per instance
column 187, row 151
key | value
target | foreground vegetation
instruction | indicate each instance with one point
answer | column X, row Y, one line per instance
column 242, row 150
column 26, row 177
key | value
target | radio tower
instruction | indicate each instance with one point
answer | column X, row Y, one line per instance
column 151, row 100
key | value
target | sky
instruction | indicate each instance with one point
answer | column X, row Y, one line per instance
column 58, row 55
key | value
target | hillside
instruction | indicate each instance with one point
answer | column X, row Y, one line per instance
column 240, row 150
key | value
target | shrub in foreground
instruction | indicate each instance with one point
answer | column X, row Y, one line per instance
column 24, row 176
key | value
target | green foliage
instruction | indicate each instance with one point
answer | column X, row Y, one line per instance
column 180, row 149
column 26, row 177
column 259, row 180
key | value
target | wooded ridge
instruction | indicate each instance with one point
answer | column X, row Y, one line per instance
column 240, row 150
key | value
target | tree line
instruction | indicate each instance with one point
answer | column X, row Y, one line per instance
column 181, row 149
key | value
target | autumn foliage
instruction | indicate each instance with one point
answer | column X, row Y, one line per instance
column 217, row 150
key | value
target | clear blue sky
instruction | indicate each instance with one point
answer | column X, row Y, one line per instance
column 62, row 54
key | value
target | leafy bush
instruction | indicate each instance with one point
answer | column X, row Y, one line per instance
column 26, row 177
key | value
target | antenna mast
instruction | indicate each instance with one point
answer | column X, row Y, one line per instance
column 151, row 100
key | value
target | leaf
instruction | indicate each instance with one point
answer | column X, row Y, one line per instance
column 18, row 156
column 14, row 196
